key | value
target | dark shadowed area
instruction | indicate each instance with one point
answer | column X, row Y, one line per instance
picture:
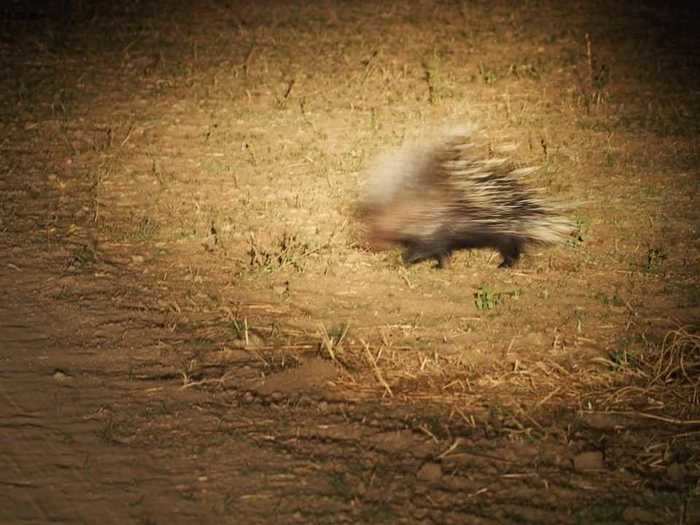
column 193, row 330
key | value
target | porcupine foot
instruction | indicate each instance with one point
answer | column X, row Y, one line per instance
column 510, row 249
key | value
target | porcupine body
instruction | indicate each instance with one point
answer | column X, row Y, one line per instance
column 451, row 195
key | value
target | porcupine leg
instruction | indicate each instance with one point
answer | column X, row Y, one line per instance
column 415, row 252
column 510, row 249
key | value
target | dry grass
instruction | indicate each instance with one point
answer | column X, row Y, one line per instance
column 660, row 382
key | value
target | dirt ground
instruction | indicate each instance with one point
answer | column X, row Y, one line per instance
column 192, row 331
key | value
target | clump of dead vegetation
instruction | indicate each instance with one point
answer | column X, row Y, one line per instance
column 661, row 381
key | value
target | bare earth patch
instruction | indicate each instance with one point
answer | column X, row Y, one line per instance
column 191, row 327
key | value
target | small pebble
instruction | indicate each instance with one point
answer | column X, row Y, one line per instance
column 248, row 397
column 61, row 377
column 592, row 460
column 276, row 396
column 676, row 472
column 430, row 472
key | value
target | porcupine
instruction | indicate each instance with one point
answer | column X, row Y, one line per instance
column 446, row 196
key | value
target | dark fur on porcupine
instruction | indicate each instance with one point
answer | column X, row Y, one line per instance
column 451, row 195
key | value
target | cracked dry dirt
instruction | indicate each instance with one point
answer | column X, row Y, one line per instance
column 192, row 332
